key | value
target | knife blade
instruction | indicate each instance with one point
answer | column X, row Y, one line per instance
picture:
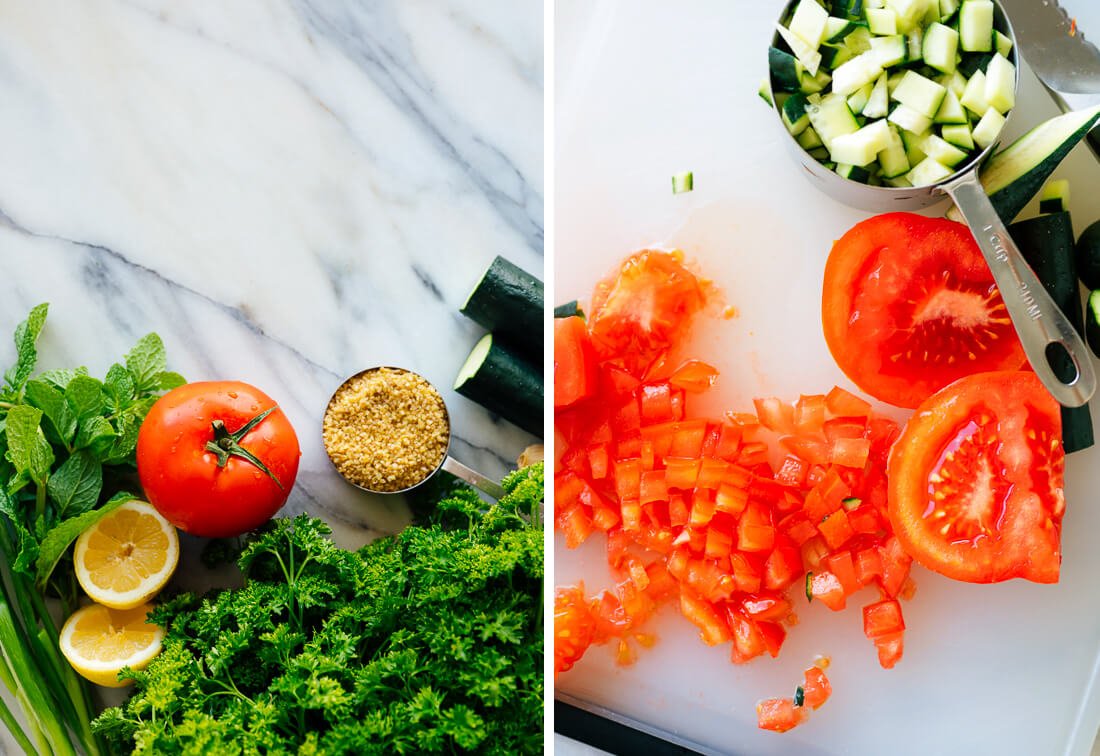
column 1065, row 62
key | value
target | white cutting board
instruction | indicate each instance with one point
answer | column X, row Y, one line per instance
column 646, row 89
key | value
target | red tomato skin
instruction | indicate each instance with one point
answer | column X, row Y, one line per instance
column 181, row 477
column 878, row 275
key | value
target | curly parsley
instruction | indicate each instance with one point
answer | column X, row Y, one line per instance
column 428, row 641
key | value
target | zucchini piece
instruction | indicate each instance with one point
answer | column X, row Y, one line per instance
column 806, row 54
column 504, row 383
column 951, row 111
column 861, row 147
column 1013, row 175
column 857, row 101
column 958, row 135
column 858, row 71
column 685, row 182
column 920, row 93
column 941, row 43
column 882, row 21
column 909, row 119
column 942, row 151
column 971, row 63
column 878, row 104
column 1055, row 197
column 976, row 25
column 833, row 56
column 785, row 70
column 853, row 172
column 794, row 114
column 988, row 128
column 832, row 117
column 973, row 97
column 910, row 13
column 809, row 140
column 508, row 301
column 836, row 29
column 808, row 23
column 850, row 9
column 1046, row 242
column 1000, row 84
column 947, row 9
column 928, row 171
column 1087, row 252
column 765, row 93
column 1092, row 322
column 1001, row 43
column 569, row 310
column 889, row 51
column 813, row 84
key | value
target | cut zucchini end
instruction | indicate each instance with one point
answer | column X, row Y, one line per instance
column 474, row 361
column 683, row 182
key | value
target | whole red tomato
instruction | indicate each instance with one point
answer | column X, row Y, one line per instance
column 217, row 458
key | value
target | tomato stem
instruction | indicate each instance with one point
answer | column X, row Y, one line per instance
column 226, row 444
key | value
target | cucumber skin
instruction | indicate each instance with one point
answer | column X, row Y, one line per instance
column 1088, row 256
column 569, row 310
column 1046, row 242
column 509, row 386
column 509, row 302
column 1092, row 322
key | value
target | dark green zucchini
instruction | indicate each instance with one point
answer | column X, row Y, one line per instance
column 1055, row 197
column 1047, row 244
column 503, row 382
column 1092, row 322
column 785, row 71
column 508, row 301
column 569, row 310
column 1088, row 257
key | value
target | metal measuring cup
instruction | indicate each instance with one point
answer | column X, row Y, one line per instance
column 1039, row 322
column 446, row 463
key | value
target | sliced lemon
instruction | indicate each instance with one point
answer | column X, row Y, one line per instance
column 127, row 557
column 99, row 641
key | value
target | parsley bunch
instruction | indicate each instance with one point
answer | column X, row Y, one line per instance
column 427, row 641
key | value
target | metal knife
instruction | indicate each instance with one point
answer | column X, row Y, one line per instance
column 1056, row 50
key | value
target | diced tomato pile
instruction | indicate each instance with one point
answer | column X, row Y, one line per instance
column 723, row 515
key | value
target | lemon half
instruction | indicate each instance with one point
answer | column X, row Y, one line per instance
column 127, row 557
column 99, row 641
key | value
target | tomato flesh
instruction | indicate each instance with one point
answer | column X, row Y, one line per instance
column 976, row 480
column 575, row 373
column 909, row 306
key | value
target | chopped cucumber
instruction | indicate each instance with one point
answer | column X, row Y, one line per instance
column 973, row 98
column 878, row 104
column 785, row 71
column 808, row 23
column 794, row 115
column 976, row 25
column 928, row 171
column 1087, row 251
column 809, row 140
column 919, row 93
column 942, row 151
column 765, row 92
column 988, row 128
column 1000, row 84
column 685, row 182
column 1001, row 43
column 856, row 72
column 807, row 55
column 893, row 160
column 1092, row 322
column 909, row 119
column 882, row 21
column 890, row 51
column 958, row 135
column 857, row 101
column 861, row 147
column 951, row 110
column 832, row 118
column 1055, row 197
column 941, row 44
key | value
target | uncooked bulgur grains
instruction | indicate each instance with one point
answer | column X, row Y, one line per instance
column 386, row 429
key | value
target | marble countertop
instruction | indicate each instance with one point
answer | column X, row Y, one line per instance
column 287, row 191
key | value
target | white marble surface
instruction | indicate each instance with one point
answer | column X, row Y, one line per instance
column 287, row 191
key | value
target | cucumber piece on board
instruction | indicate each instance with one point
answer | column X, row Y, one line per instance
column 569, row 310
column 1047, row 244
column 508, row 301
column 1088, row 256
column 503, row 382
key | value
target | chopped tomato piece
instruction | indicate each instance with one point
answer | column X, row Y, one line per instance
column 694, row 375
column 775, row 414
column 836, row 530
column 773, row 634
column 574, row 627
column 766, row 607
column 850, row 452
column 890, row 648
column 816, row 688
column 841, row 565
column 809, row 414
column 712, row 628
column 575, row 376
column 843, row 403
column 656, row 403
column 826, row 587
column 779, row 715
column 882, row 618
column 782, row 568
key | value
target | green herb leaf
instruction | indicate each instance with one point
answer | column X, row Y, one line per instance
column 61, row 536
column 75, row 485
column 84, row 396
column 61, row 421
column 96, row 434
column 27, row 545
column 166, row 380
column 26, row 351
column 61, row 378
column 145, row 361
column 28, row 449
column 118, row 385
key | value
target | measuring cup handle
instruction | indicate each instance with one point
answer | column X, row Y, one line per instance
column 1037, row 319
column 473, row 477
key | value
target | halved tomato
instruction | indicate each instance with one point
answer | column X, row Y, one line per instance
column 976, row 480
column 909, row 305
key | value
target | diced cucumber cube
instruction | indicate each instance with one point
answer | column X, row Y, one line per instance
column 855, row 73
column 889, row 51
column 808, row 23
column 1001, row 43
column 853, row 172
column 820, row 154
column 928, row 171
column 1000, row 84
column 920, row 93
column 832, row 118
column 909, row 119
column 915, row 43
column 858, row 41
column 893, row 81
column 976, row 25
column 941, row 151
column 836, row 29
column 951, row 110
column 909, row 12
column 973, row 97
column 765, row 92
column 812, row 84
column 882, row 21
column 861, row 147
column 809, row 140
column 931, row 13
column 874, row 3
column 878, row 104
column 849, row 8
column 954, row 81
column 948, row 8
column 893, row 159
column 941, row 44
column 833, row 56
column 857, row 101
column 794, row 114
column 958, row 135
column 808, row 56
column 988, row 128
column 898, row 181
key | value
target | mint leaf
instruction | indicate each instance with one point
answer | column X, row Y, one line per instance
column 27, row 546
column 26, row 336
column 75, row 486
column 28, row 450
column 166, row 380
column 62, row 421
column 118, row 385
column 125, row 443
column 84, row 395
column 60, row 379
column 61, row 536
column 146, row 360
